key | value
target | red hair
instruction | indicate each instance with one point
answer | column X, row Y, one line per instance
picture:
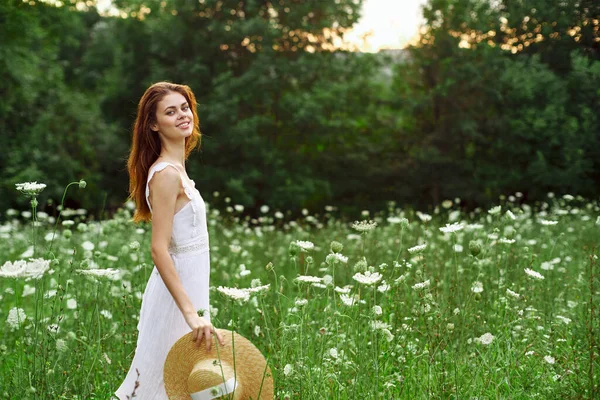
column 146, row 147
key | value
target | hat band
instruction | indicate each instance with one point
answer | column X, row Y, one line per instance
column 215, row 391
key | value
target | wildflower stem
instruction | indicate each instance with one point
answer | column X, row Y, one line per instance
column 62, row 207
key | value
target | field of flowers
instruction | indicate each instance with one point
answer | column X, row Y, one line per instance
column 396, row 304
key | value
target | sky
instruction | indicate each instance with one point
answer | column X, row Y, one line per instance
column 391, row 24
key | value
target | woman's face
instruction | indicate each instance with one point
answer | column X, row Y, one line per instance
column 174, row 118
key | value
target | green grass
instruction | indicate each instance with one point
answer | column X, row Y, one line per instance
column 545, row 342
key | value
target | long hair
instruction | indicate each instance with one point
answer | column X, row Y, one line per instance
column 146, row 146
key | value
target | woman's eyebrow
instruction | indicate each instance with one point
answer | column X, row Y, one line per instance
column 182, row 104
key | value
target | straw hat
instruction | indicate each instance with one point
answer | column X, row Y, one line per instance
column 193, row 373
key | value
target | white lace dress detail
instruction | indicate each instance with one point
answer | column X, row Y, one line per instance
column 160, row 322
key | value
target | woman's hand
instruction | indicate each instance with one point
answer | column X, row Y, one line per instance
column 202, row 328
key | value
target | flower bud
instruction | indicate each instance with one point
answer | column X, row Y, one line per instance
column 294, row 249
column 82, row 184
column 474, row 247
column 336, row 247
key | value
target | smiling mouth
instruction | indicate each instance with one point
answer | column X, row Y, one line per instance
column 184, row 125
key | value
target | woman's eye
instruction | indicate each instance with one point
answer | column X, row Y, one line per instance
column 186, row 108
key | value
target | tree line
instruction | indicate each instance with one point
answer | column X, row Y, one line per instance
column 494, row 98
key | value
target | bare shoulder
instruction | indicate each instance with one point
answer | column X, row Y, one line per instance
column 165, row 181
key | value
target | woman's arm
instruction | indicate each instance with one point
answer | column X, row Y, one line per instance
column 164, row 190
column 165, row 186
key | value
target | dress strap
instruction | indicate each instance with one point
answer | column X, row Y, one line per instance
column 159, row 167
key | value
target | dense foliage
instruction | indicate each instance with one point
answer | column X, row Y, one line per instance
column 495, row 97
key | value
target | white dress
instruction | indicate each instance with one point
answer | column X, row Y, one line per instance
column 161, row 323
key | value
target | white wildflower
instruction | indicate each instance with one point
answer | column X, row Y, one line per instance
column 507, row 241
column 549, row 359
column 15, row 269
column 333, row 352
column 421, row 285
column 377, row 310
column 383, row 288
column 513, row 294
column 258, row 289
column 100, row 273
column 534, row 274
column 364, row 226
column 87, row 245
column 336, row 257
column 417, row 249
column 308, row 279
column 548, row 222
column 477, row 287
column 305, row 245
column 565, row 320
column 30, row 188
column 377, row 325
column 36, row 267
column 235, row 293
column 16, row 317
column 368, row 278
column 301, row 302
column 71, row 304
column 486, row 338
column 347, row 300
column 450, row 228
column 388, row 335
column 495, row 210
column 424, row 217
column 287, row 369
column 510, row 215
column 343, row 290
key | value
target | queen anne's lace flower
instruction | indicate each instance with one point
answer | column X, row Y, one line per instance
column 486, row 338
column 308, row 279
column 417, row 249
column 336, row 257
column 100, row 273
column 347, row 300
column 534, row 274
column 258, row 289
column 16, row 316
column 450, row 228
column 477, row 287
column 368, row 278
column 422, row 285
column 364, row 226
column 305, row 245
column 30, row 188
column 15, row 269
column 36, row 267
column 235, row 293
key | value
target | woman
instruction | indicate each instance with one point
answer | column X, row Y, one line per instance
column 165, row 132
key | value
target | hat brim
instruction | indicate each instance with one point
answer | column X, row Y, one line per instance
column 250, row 365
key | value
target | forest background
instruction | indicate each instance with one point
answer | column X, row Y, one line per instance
column 495, row 97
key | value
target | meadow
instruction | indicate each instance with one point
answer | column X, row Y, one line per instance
column 500, row 303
